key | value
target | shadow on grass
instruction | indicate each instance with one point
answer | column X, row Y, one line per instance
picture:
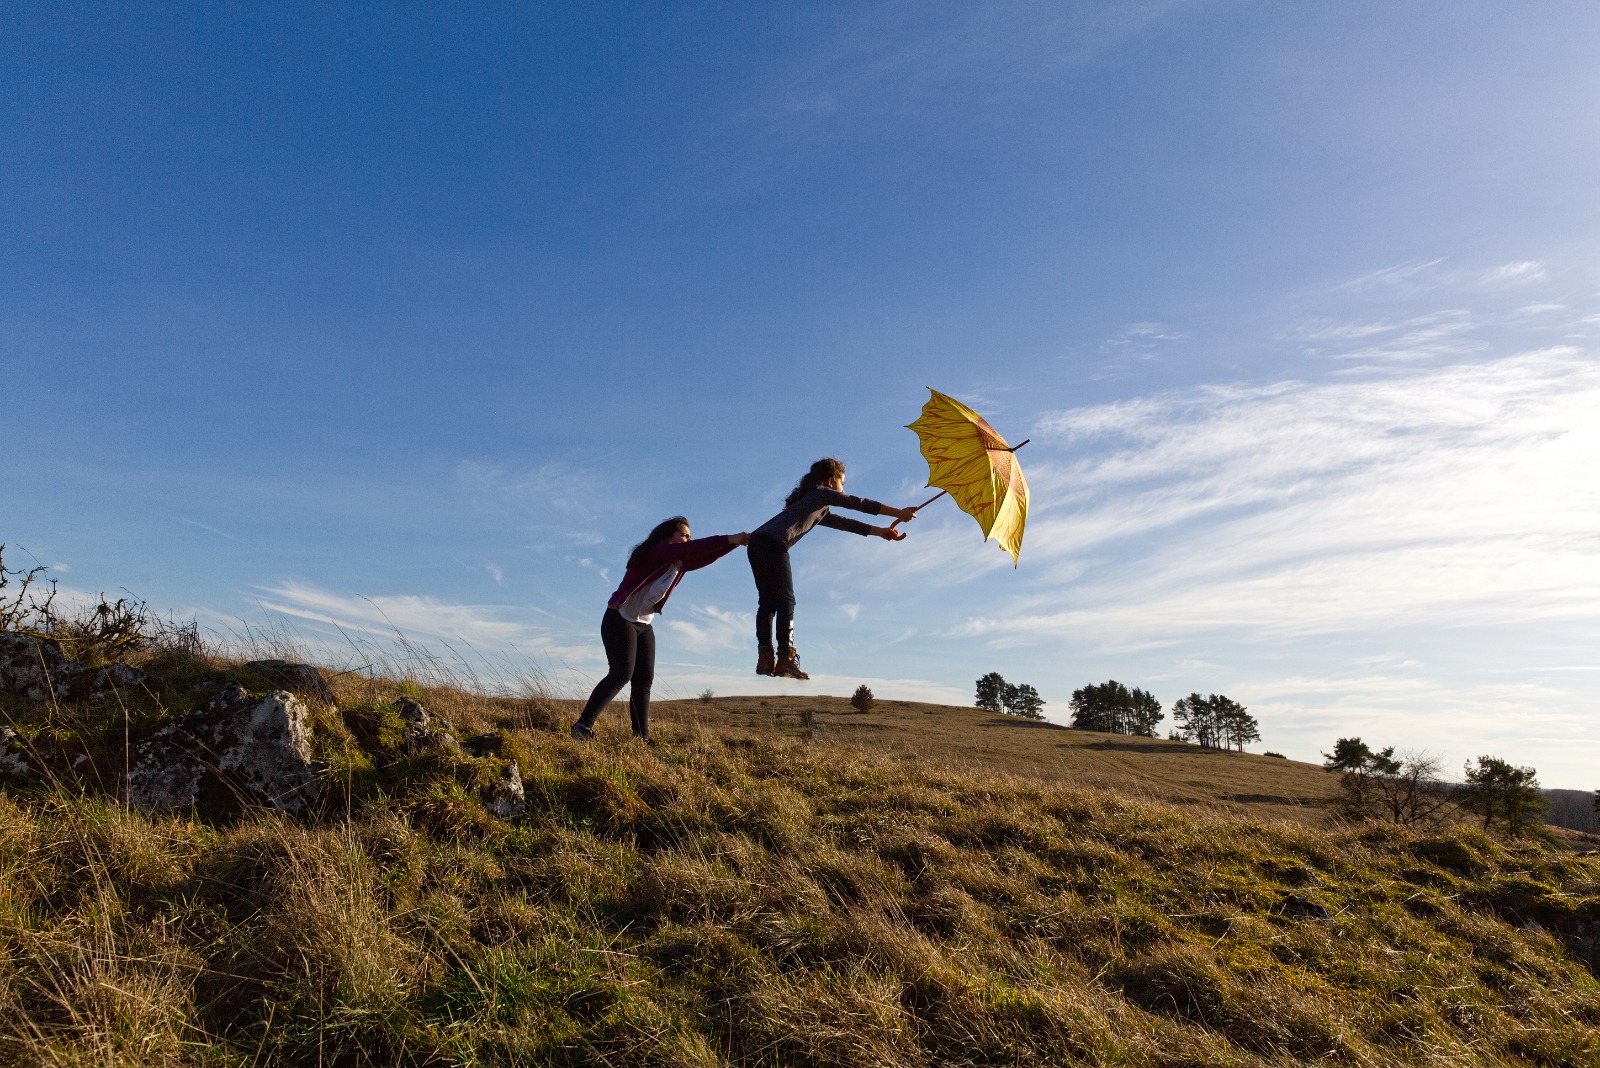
column 1012, row 721
column 1149, row 745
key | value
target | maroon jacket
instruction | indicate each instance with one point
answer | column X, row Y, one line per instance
column 693, row 555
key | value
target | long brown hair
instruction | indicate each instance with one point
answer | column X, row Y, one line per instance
column 663, row 530
column 824, row 470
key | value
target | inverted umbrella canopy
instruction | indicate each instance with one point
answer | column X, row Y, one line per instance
column 971, row 462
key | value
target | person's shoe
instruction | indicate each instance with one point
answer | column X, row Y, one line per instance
column 788, row 666
column 766, row 662
column 581, row 732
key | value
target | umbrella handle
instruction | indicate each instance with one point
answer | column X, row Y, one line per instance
column 921, row 506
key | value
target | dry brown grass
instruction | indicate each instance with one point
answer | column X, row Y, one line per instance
column 972, row 740
column 918, row 886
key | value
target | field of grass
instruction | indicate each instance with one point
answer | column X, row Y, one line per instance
column 969, row 739
column 918, row 886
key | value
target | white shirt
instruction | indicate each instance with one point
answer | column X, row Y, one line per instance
column 641, row 603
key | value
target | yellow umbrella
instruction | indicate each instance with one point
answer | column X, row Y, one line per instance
column 973, row 464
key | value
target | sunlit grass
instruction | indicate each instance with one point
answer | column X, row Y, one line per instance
column 760, row 892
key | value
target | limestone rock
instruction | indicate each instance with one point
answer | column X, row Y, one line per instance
column 302, row 679
column 36, row 669
column 423, row 730
column 412, row 711
column 11, row 762
column 505, row 798
column 236, row 750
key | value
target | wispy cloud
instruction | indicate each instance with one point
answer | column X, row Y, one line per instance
column 543, row 490
column 207, row 529
column 1453, row 495
column 1514, row 273
column 1448, row 333
column 1390, row 277
column 490, row 626
column 891, row 58
column 708, row 628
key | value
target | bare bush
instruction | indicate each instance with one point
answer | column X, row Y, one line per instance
column 21, row 611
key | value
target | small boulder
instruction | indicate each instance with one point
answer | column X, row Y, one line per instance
column 302, row 679
column 412, row 711
column 1300, row 908
column 235, row 750
column 505, row 798
column 423, row 730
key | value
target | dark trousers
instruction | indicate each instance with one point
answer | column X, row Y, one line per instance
column 630, row 658
column 769, row 562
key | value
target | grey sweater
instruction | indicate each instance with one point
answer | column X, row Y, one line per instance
column 811, row 509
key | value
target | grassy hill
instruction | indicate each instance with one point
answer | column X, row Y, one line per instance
column 918, row 886
column 963, row 738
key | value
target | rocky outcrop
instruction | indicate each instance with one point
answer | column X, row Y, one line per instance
column 302, row 679
column 236, row 750
column 36, row 669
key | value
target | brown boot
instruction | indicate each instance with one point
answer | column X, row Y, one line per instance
column 766, row 662
column 789, row 666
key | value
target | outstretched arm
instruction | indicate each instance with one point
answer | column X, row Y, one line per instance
column 696, row 554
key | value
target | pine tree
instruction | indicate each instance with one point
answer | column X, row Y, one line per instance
column 1115, row 709
column 1496, row 790
column 1215, row 722
column 1025, row 702
column 991, row 690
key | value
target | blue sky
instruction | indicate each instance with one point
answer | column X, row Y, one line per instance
column 336, row 316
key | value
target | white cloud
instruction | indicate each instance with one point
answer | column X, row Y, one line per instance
column 1513, row 273
column 708, row 628
column 1453, row 495
column 409, row 614
column 1388, row 277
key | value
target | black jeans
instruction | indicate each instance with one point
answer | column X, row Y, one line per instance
column 769, row 562
column 630, row 658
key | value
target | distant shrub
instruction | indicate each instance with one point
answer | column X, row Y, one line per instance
column 707, row 696
column 861, row 701
column 1280, row 756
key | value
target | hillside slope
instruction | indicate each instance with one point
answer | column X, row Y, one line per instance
column 970, row 739
column 749, row 892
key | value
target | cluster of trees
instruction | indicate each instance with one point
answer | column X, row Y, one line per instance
column 1406, row 788
column 998, row 695
column 1115, row 709
column 1214, row 722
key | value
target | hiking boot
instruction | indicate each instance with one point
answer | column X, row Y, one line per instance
column 582, row 732
column 766, row 662
column 789, row 666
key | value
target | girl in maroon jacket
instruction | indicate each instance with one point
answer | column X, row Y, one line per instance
column 807, row 506
column 655, row 567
